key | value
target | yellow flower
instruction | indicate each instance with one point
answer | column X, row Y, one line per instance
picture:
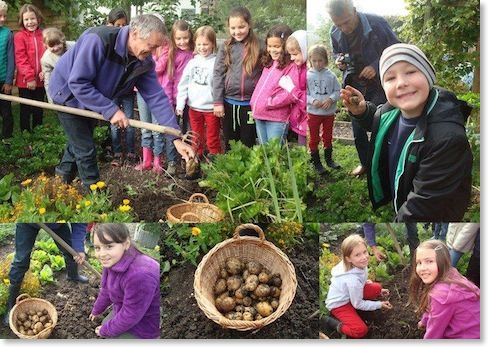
column 103, row 216
column 42, row 210
column 87, row 203
column 101, row 184
column 26, row 182
column 93, row 187
column 6, row 281
column 195, row 231
column 126, row 201
column 124, row 208
column 78, row 206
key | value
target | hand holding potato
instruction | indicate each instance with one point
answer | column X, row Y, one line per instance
column 353, row 100
column 385, row 305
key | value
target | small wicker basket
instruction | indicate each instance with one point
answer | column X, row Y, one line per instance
column 247, row 248
column 25, row 303
column 194, row 212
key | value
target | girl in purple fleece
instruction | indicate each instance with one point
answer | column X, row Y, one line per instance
column 130, row 283
column 448, row 302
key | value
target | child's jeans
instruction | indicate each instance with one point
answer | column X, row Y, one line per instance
column 127, row 103
column 7, row 118
column 314, row 124
column 352, row 325
column 26, row 111
column 149, row 139
column 199, row 120
column 268, row 130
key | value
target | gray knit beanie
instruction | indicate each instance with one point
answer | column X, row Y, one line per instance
column 409, row 53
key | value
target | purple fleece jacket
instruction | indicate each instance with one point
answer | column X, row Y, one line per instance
column 132, row 286
column 91, row 74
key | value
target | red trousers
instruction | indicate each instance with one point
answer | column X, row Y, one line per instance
column 200, row 120
column 352, row 325
column 314, row 123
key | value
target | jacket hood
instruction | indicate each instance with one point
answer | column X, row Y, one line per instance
column 339, row 270
column 451, row 293
column 448, row 108
column 301, row 37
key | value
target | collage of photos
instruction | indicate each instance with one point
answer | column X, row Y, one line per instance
column 226, row 169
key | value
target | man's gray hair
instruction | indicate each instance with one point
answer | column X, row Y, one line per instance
column 337, row 8
column 145, row 24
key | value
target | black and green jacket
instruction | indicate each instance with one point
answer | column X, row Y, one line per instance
column 433, row 175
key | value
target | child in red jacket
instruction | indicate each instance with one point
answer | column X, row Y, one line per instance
column 29, row 49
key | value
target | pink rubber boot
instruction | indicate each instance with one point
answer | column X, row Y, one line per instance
column 147, row 158
column 157, row 167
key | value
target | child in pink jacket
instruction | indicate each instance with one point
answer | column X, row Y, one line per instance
column 270, row 103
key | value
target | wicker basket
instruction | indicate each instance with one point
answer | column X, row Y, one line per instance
column 247, row 248
column 194, row 212
column 25, row 303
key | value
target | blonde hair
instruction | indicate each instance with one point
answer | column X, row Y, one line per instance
column 418, row 291
column 318, row 50
column 207, row 32
column 348, row 246
column 292, row 43
column 53, row 36
column 30, row 8
column 3, row 6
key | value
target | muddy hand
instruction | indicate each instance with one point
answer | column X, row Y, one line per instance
column 353, row 100
column 185, row 150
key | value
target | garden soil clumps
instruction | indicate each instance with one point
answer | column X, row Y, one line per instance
column 183, row 319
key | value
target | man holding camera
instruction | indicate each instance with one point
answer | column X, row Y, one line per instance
column 358, row 40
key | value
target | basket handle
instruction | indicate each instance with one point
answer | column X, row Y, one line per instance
column 189, row 214
column 22, row 297
column 254, row 227
column 203, row 196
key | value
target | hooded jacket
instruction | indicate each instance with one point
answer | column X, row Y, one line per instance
column 132, row 287
column 433, row 175
column 347, row 287
column 461, row 236
column 454, row 311
column 234, row 82
column 320, row 86
column 98, row 69
column 28, row 52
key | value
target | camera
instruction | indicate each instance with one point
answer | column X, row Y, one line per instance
column 354, row 67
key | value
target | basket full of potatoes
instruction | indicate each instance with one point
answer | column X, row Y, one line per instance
column 245, row 282
column 32, row 318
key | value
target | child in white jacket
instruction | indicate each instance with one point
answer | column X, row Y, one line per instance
column 195, row 87
column 350, row 289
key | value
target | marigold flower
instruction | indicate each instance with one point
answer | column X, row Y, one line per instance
column 93, row 187
column 103, row 216
column 78, row 206
column 26, row 182
column 42, row 210
column 124, row 208
column 87, row 203
column 101, row 184
column 126, row 201
column 195, row 231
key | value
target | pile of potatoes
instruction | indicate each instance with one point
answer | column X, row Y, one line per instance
column 246, row 290
column 31, row 322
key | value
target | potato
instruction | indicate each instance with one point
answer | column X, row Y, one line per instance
column 275, row 292
column 30, row 332
column 275, row 280
column 43, row 319
column 35, row 318
column 234, row 282
column 247, row 316
column 264, row 309
column 251, row 283
column 262, row 290
column 32, row 312
column 251, row 310
column 263, row 277
column 44, row 312
column 27, row 324
column 239, row 308
column 239, row 301
column 22, row 317
column 274, row 304
column 38, row 326
column 223, row 273
column 258, row 317
column 39, row 313
column 247, row 301
column 227, row 304
column 254, row 267
column 233, row 265
column 241, row 293
column 245, row 274
column 220, row 286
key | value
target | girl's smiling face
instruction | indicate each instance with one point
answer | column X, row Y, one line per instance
column 182, row 39
column 110, row 253
column 238, row 28
column 204, row 46
column 274, row 47
column 426, row 265
column 29, row 19
column 296, row 56
column 359, row 256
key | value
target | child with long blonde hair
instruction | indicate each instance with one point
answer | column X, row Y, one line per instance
column 350, row 289
column 448, row 303
column 195, row 88
column 236, row 73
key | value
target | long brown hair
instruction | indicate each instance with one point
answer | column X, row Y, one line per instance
column 179, row 25
column 418, row 291
column 30, row 8
column 282, row 32
column 251, row 42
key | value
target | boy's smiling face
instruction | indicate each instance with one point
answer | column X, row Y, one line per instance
column 407, row 88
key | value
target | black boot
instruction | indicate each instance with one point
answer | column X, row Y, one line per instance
column 331, row 324
column 13, row 293
column 73, row 274
column 328, row 159
column 316, row 163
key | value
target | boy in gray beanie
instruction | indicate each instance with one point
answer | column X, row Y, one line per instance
column 419, row 154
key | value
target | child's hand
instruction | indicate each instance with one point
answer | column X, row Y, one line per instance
column 219, row 111
column 368, row 73
column 31, row 85
column 93, row 317
column 286, row 83
column 97, row 330
column 420, row 325
column 385, row 292
column 327, row 103
column 353, row 100
column 379, row 255
column 80, row 258
column 385, row 305
column 179, row 112
column 6, row 88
